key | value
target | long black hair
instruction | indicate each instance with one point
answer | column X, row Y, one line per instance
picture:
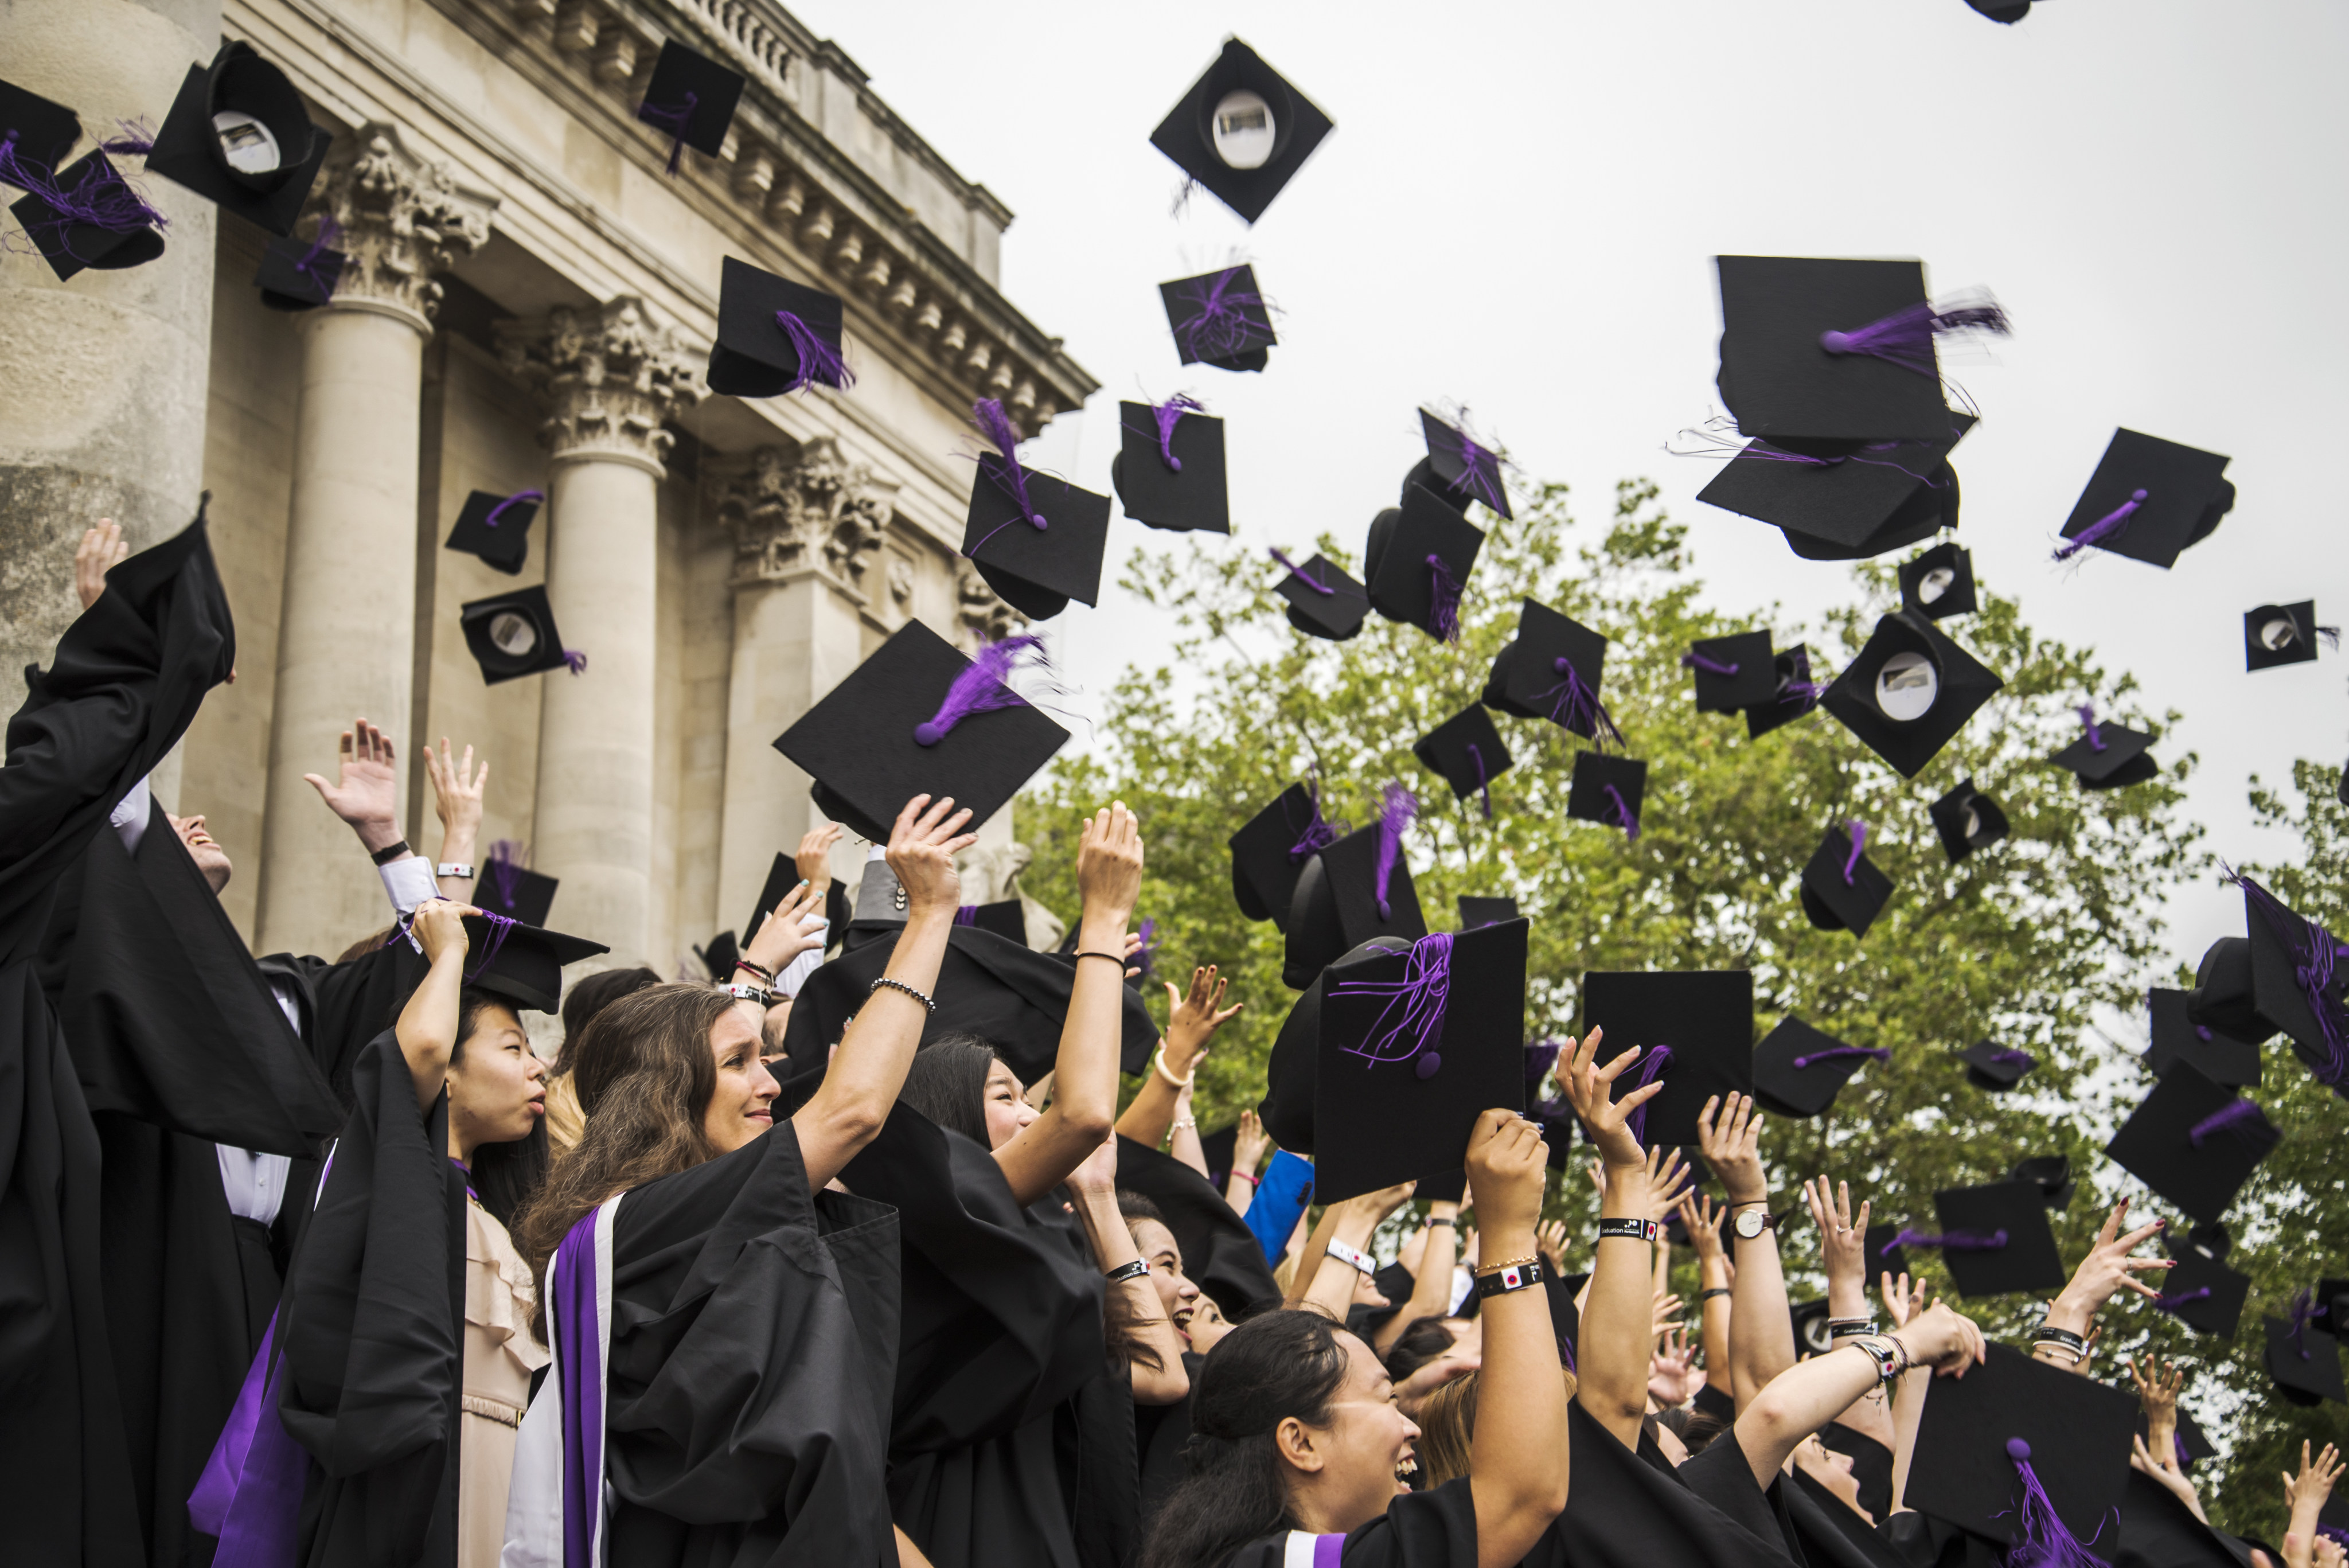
column 1267, row 1370
column 948, row 1083
column 506, row 1175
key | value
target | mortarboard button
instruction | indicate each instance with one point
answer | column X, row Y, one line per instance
column 2203, row 1293
column 2052, row 1174
column 239, row 135
column 2225, row 996
column 2193, row 1142
column 691, row 98
column 1468, row 751
column 2297, row 980
column 1845, row 500
column 87, row 217
column 718, row 959
column 497, row 527
column 1458, row 469
column 1967, row 820
column 1418, row 565
column 774, row 336
column 1843, row 889
column 1995, row 1067
column 1169, row 468
column 1552, row 670
column 2107, row 755
column 1356, row 889
column 1797, row 695
column 1695, row 1029
column 1323, row 601
column 514, row 634
column 1270, row 852
column 300, row 275
column 1798, row 1071
column 1883, row 1251
column 1242, row 130
column 1475, row 911
column 2305, row 1360
column 1220, row 318
column 1982, row 1432
column 2176, row 1037
column 508, row 888
column 1994, row 1240
column 40, row 133
column 2277, row 635
column 1909, row 691
column 1940, row 583
column 1732, row 673
column 2149, row 500
column 520, row 961
column 1608, row 790
column 1038, row 541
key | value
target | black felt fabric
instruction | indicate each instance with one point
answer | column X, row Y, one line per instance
column 1827, row 1530
column 1159, row 1433
column 2158, row 1530
column 1624, row 1511
column 1433, row 1529
column 1871, row 1463
column 1723, row 1477
column 1220, row 1253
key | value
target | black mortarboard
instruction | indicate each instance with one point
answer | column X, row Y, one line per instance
column 1323, row 601
column 2193, row 1141
column 2149, row 500
column 1412, row 1048
column 692, row 98
column 2209, row 1238
column 1932, row 509
column 525, row 964
column 1967, row 820
column 1402, row 578
column 2006, row 11
column 1177, row 483
column 1286, row 1109
column 1796, row 694
column 1036, row 571
column 1811, row 1330
column 2052, row 1174
column 1843, row 890
column 1242, row 132
column 1979, row 1429
column 1475, row 911
column 2331, row 1306
column 1468, row 751
column 1587, row 796
column 1219, row 319
column 1335, row 906
column 1798, row 1071
column 2225, row 994
column 2012, row 1247
column 1220, row 1149
column 239, row 135
column 2284, row 948
column 774, row 336
column 510, row 889
column 782, row 877
column 859, row 742
column 1006, row 918
column 2108, row 755
column 1270, row 854
column 1459, row 470
column 1834, row 504
column 497, row 527
column 43, row 130
column 512, row 635
column 127, row 237
column 2217, row 1056
column 1995, row 1067
column 2204, row 1294
column 298, row 275
column 2306, row 1362
column 1705, row 1016
column 1939, row 584
column 1909, row 691
column 1884, row 1253
column 717, row 958
column 2275, row 635
column 1780, row 380
column 1528, row 679
column 1732, row 672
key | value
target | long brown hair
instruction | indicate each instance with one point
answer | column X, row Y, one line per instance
column 645, row 1073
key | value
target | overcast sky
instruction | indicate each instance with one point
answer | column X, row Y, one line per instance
column 1518, row 210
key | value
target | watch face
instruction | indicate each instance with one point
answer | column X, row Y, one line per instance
column 1749, row 1224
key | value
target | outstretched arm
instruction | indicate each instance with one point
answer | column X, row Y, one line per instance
column 1093, row 1186
column 427, row 1029
column 1802, row 1399
column 1329, row 1287
column 1618, row 1319
column 1761, row 1334
column 1517, row 1465
column 366, row 796
column 1247, row 1152
column 457, row 799
column 2105, row 1273
column 1192, row 1020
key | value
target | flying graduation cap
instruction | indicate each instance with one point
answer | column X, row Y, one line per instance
column 1417, row 559
column 1323, row 601
column 1909, row 691
column 239, row 135
column 1552, row 670
column 1220, row 318
column 1458, row 469
column 2193, row 1141
column 506, row 886
column 1994, row 1239
column 2149, row 499
column 514, row 634
column 1940, row 583
column 1842, row 888
column 1038, row 541
column 1838, row 505
column 1242, row 130
column 692, row 98
column 1967, row 820
column 2176, row 1037
column 2298, row 982
column 1484, row 912
column 1995, row 1067
column 1798, row 1071
column 82, row 215
column 1695, row 1031
column 2305, row 1360
column 1270, row 854
column 1732, row 673
column 2276, row 635
column 2107, row 755
column 1169, row 467
column 300, row 275
column 1608, row 790
column 2203, row 1292
column 2052, row 1174
column 1354, row 889
column 1796, row 693
column 497, row 527
column 774, row 336
column 1469, row 754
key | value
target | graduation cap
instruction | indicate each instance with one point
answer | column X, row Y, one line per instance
column 774, row 336
column 1242, row 130
column 2052, row 1174
column 1845, row 500
column 783, row 878
column 718, row 957
column 1286, row 1109
column 2149, row 499
column 1939, row 584
column 1704, row 1022
column 1967, row 820
column 2176, row 1037
column 1468, row 751
column 2305, row 1360
column 1994, row 1240
column 692, row 98
column 1412, row 1048
column 1732, row 672
column 1995, row 1067
column 2024, row 1453
column 1812, row 1334
column 2225, row 997
column 2007, row 11
column 1475, row 911
column 521, row 962
column 918, row 718
column 1608, row 790
column 44, row 130
column 508, row 888
column 2276, row 635
column 1552, row 670
column 1354, row 889
column 514, row 634
column 1323, row 601
column 1833, row 351
column 1169, row 468
column 239, row 136
column 2107, row 755
column 1417, row 561
column 86, row 217
column 1037, row 540
column 1005, row 917
column 300, row 275
column 1796, row 694
column 1219, row 319
column 1842, row 888
column 2204, row 1294
column 1459, row 470
column 1883, row 1251
column 497, row 527
column 1798, row 1071
column 1909, row 691
column 1269, row 853
column 2296, row 983
column 2193, row 1141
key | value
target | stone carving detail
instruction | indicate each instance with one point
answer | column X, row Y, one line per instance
column 610, row 373
column 985, row 617
column 798, row 512
column 399, row 218
column 901, row 581
column 992, row 876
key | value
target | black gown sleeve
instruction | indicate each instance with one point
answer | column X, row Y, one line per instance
column 1623, row 1513
column 1433, row 1529
column 1830, row 1533
column 1871, row 1465
column 1722, row 1476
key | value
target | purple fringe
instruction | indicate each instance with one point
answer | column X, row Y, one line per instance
column 2312, row 950
column 966, row 914
column 100, row 198
column 1623, row 817
column 322, row 243
column 1412, row 1022
column 1319, row 833
column 137, row 141
column 500, row 925
column 819, row 360
column 1651, row 1067
column 1169, row 414
column 1858, row 832
column 2009, row 1054
column 2041, row 1538
column 1220, row 327
column 1951, row 1242
column 2088, row 722
column 1695, row 660
column 1578, row 703
column 1299, row 574
column 1396, row 813
column 1002, row 465
column 1480, row 470
column 1877, row 1051
column 505, row 867
column 2303, row 1309
column 1906, row 337
column 2102, row 529
column 1147, row 954
column 574, row 661
column 1483, row 784
column 2234, row 1114
column 1540, row 1057
column 675, row 121
column 516, row 499
column 2172, row 1303
column 1807, row 692
column 980, row 688
column 1442, row 600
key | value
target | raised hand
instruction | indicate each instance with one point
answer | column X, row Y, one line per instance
column 2106, row 1271
column 1098, row 1173
column 922, row 843
column 366, row 792
column 1249, row 1144
column 1109, row 865
column 1701, row 1218
column 2156, row 1388
column 2148, row 1459
column 790, row 928
column 1901, row 1302
column 1192, row 1019
column 1549, row 1240
column 456, row 790
column 1672, row 1378
column 1729, row 1136
column 1841, row 1235
column 1672, row 1181
column 1507, row 1166
column 2306, row 1493
column 1587, row 1084
column 101, row 550
column 1942, row 1340
column 813, row 856
column 439, row 926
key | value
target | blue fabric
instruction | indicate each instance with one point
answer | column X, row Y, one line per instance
column 1280, row 1197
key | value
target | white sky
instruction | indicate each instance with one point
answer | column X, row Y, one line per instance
column 1518, row 210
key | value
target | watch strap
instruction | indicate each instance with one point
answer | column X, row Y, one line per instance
column 389, row 851
column 1361, row 1260
column 1514, row 1276
column 1629, row 1230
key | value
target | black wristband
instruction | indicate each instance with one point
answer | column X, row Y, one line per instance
column 1629, row 1230
column 2047, row 1333
column 1706, row 1296
column 1128, row 1270
column 389, row 851
column 1515, row 1277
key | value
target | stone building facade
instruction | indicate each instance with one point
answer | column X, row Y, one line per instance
column 529, row 305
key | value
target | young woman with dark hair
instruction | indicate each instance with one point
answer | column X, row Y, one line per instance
column 589, row 996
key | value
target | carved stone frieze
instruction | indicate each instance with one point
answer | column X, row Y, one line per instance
column 611, row 376
column 986, row 618
column 399, row 217
column 808, row 510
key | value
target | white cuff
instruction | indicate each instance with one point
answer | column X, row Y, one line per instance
column 408, row 882
column 795, row 974
column 876, row 852
column 130, row 815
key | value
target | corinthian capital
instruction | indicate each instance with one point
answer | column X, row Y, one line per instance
column 984, row 616
column 610, row 375
column 805, row 511
column 400, row 219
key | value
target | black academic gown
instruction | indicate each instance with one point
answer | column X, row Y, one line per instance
column 1220, row 1253
column 1003, row 1325
column 1625, row 1510
column 1434, row 1529
column 1871, row 1465
column 123, row 685
column 2158, row 1530
column 1160, row 1433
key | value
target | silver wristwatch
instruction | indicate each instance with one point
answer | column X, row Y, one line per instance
column 1751, row 1222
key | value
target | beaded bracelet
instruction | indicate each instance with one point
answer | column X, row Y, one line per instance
column 909, row 991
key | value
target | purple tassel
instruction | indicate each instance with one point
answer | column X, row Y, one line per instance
column 505, row 867
column 1951, row 1242
column 1483, row 784
column 574, row 661
column 1002, row 465
column 2312, row 950
column 1442, row 600
column 2234, row 1114
column 675, row 121
column 516, row 499
column 966, row 914
column 980, row 688
column 1480, row 474
column 2178, row 1440
column 1578, row 707
column 1299, row 574
column 99, row 198
column 2172, row 1303
column 1906, row 337
column 2331, row 636
column 2102, row 529
column 1169, row 414
column 137, row 140
column 2088, row 721
column 1219, row 329
column 1651, row 1067
column 1147, row 952
column 1540, row 1057
column 2041, row 1540
column 1807, row 692
column 321, row 245
column 2203, row 1033
column 819, row 360
column 1878, row 1052
column 1858, row 832
column 1417, row 1029
column 1318, row 834
column 1629, row 824
column 500, row 925
column 2004, row 1057
column 2304, row 1310
column 1694, row 661
column 1395, row 814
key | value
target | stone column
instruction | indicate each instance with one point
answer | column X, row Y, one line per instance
column 102, row 379
column 808, row 528
column 610, row 376
column 350, row 619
